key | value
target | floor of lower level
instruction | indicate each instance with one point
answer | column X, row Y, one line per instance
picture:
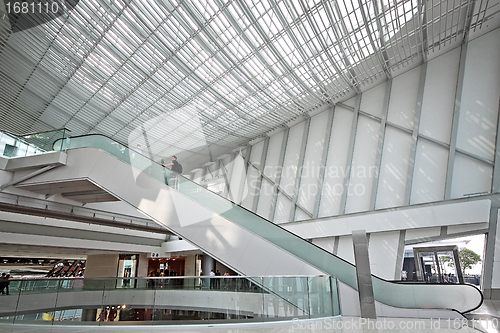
column 490, row 307
column 337, row 324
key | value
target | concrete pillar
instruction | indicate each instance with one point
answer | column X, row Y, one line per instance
column 491, row 266
column 142, row 265
column 190, row 266
column 101, row 265
column 207, row 264
column 98, row 266
column 365, row 287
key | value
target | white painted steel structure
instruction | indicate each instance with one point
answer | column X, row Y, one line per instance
column 236, row 69
column 409, row 164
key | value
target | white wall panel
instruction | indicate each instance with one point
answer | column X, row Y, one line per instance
column 350, row 102
column 346, row 250
column 336, row 163
column 383, row 251
column 363, row 165
column 291, row 158
column 480, row 96
column 300, row 215
column 439, row 96
column 403, row 99
column 197, row 176
column 237, row 179
column 211, row 171
column 226, row 168
column 227, row 161
column 252, row 181
column 394, row 169
column 282, row 212
column 408, row 217
column 454, row 229
column 273, row 153
column 413, row 234
column 325, row 243
column 310, row 171
column 256, row 153
column 429, row 177
column 253, row 175
column 495, row 283
column 470, row 176
column 264, row 206
column 372, row 100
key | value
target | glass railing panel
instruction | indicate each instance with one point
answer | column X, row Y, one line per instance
column 243, row 301
column 37, row 301
column 12, row 145
column 287, row 297
column 44, row 141
column 335, row 296
column 320, row 297
column 8, row 303
column 179, row 299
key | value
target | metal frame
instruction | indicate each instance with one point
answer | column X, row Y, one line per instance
column 458, row 101
column 400, row 255
column 227, row 178
column 495, row 186
column 454, row 127
column 300, row 166
column 244, row 68
column 262, row 165
column 381, row 140
column 281, row 160
column 414, row 137
column 324, row 160
column 435, row 250
column 350, row 153
column 489, row 256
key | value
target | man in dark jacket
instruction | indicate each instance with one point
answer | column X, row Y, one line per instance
column 3, row 281
column 176, row 167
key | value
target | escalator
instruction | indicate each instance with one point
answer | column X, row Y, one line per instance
column 240, row 239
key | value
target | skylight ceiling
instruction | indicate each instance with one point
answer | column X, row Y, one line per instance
column 231, row 70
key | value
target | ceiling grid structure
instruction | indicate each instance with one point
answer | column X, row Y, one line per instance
column 202, row 77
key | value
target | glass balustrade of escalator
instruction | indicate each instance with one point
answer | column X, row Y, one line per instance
column 462, row 298
column 12, row 145
column 169, row 300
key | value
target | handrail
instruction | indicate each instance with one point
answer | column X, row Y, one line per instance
column 163, row 277
column 33, row 133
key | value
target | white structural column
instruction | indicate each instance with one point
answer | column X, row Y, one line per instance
column 495, row 186
column 458, row 100
column 416, row 129
column 227, row 187
column 324, row 159
column 279, row 172
column 350, row 152
column 248, row 151
column 381, row 137
column 300, row 166
column 492, row 239
column 454, row 126
column 261, row 173
column 400, row 255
